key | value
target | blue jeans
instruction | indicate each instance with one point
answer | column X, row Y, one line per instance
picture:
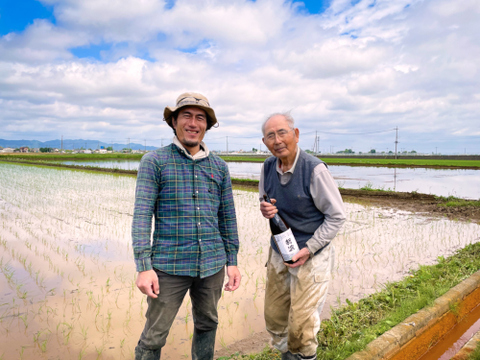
column 162, row 311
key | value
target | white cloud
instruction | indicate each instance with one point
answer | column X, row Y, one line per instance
column 411, row 64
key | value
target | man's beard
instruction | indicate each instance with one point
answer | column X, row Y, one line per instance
column 190, row 143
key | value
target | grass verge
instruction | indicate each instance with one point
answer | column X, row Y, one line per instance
column 70, row 157
column 373, row 161
column 452, row 201
column 475, row 355
column 353, row 326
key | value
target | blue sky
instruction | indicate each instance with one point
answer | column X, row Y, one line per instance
column 17, row 15
column 350, row 72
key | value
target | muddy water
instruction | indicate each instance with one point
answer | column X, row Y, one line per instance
column 67, row 273
column 442, row 182
column 456, row 338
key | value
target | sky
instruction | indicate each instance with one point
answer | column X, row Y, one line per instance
column 354, row 74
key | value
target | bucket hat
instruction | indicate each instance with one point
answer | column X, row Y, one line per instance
column 190, row 99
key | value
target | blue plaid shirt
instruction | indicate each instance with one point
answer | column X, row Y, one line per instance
column 192, row 202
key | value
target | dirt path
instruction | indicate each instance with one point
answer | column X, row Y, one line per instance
column 414, row 202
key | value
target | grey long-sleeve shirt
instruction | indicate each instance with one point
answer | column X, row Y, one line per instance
column 326, row 197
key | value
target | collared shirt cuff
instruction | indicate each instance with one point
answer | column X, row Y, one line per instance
column 311, row 249
column 232, row 260
column 143, row 264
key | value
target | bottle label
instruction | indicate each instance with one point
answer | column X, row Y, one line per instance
column 287, row 245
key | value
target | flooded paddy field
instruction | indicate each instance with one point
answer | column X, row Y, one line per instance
column 67, row 276
column 462, row 183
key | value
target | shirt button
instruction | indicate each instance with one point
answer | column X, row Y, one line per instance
column 199, row 239
column 198, row 208
column 198, row 224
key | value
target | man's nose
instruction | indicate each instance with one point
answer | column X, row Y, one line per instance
column 192, row 122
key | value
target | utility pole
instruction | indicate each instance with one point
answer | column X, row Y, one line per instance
column 396, row 141
column 62, row 144
column 316, row 143
column 128, row 140
column 227, row 144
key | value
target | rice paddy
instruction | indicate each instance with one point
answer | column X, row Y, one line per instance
column 67, row 276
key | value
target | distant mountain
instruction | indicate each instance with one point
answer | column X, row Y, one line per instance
column 69, row 144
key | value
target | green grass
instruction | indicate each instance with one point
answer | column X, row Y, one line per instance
column 475, row 355
column 69, row 157
column 452, row 201
column 403, row 162
column 374, row 161
column 369, row 187
column 353, row 326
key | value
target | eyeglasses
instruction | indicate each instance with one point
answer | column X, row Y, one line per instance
column 282, row 133
column 190, row 100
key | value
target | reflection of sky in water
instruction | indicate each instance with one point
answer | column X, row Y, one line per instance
column 443, row 182
column 110, row 164
column 66, row 241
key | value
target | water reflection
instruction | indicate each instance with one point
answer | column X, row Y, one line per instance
column 67, row 275
column 442, row 182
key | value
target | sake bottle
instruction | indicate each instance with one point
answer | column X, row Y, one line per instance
column 283, row 236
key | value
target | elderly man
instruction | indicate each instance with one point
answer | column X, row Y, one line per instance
column 188, row 191
column 305, row 195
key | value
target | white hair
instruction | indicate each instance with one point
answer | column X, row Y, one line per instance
column 286, row 115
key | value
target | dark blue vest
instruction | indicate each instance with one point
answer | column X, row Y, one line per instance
column 294, row 201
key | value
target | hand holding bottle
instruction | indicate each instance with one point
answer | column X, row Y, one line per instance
column 268, row 209
column 283, row 235
column 299, row 258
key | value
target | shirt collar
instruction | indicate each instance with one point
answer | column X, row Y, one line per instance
column 292, row 169
column 201, row 154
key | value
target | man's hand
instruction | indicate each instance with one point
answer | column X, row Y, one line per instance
column 147, row 282
column 234, row 278
column 300, row 258
column 268, row 210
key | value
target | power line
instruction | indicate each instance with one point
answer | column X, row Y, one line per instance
column 343, row 133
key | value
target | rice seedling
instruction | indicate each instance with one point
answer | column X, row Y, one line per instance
column 66, row 254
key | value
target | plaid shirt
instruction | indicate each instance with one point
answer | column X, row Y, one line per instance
column 195, row 225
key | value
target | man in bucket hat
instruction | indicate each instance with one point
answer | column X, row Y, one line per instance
column 188, row 191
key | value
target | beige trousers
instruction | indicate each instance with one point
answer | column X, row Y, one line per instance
column 294, row 300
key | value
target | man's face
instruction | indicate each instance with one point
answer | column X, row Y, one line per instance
column 280, row 139
column 190, row 126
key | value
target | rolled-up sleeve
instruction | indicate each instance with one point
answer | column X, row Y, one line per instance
column 328, row 200
column 146, row 193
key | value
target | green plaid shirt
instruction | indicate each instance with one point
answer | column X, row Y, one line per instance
column 192, row 202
